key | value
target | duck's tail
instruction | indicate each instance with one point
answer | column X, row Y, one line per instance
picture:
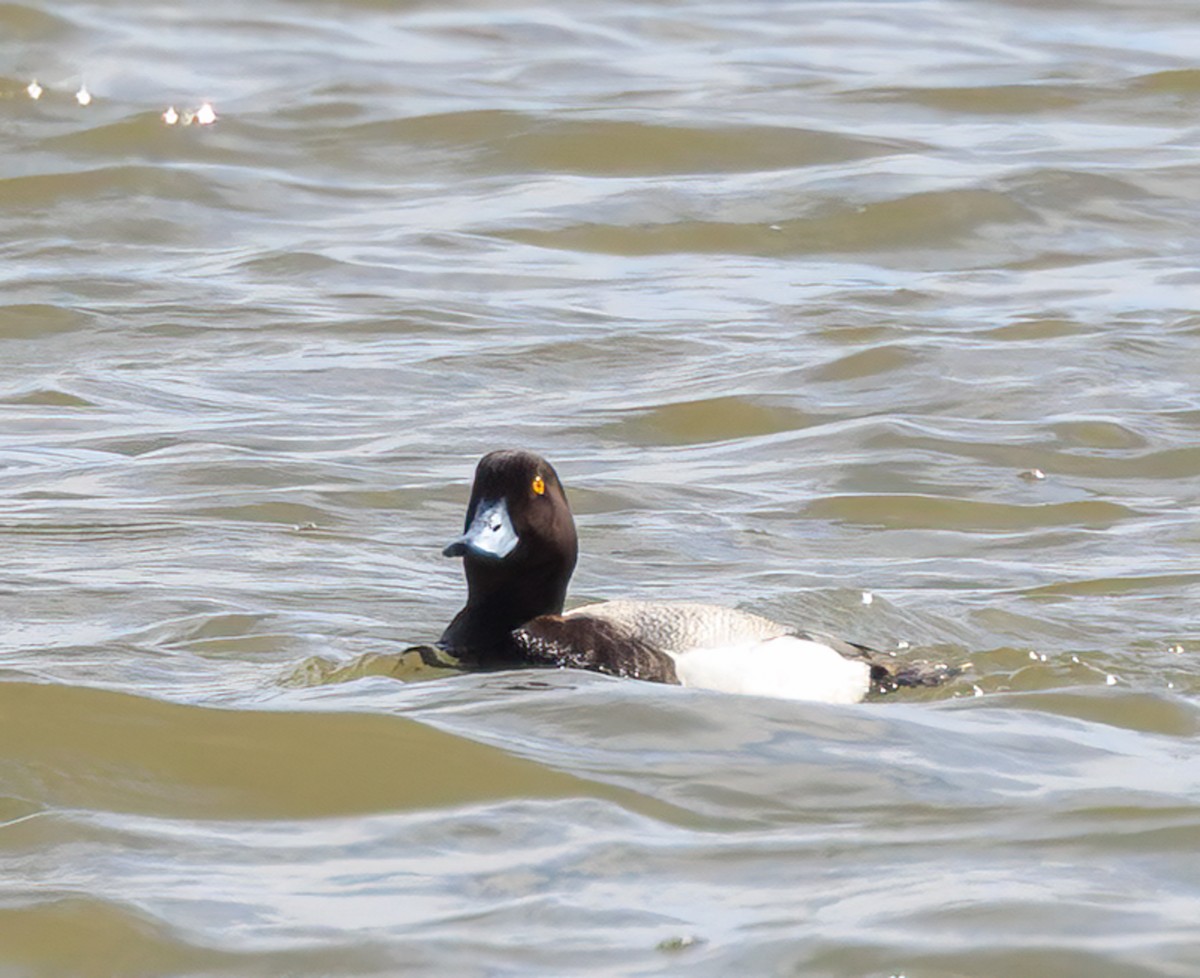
column 888, row 677
column 887, row 673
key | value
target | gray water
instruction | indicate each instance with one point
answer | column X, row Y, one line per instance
column 877, row 317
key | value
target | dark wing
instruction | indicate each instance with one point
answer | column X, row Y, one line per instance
column 584, row 642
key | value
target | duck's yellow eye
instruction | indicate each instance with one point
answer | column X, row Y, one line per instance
column 539, row 485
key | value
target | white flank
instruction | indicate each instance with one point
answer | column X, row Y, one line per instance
column 786, row 668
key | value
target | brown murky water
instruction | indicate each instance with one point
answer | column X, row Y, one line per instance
column 801, row 298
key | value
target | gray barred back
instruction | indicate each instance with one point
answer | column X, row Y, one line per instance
column 677, row 627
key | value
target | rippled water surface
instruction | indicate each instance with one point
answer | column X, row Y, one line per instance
column 880, row 317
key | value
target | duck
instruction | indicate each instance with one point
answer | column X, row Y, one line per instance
column 519, row 548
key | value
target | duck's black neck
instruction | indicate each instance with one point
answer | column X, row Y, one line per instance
column 498, row 601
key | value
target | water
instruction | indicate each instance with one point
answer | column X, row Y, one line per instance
column 799, row 298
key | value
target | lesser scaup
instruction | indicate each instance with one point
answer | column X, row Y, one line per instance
column 519, row 547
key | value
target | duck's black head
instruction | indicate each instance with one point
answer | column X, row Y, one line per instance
column 518, row 548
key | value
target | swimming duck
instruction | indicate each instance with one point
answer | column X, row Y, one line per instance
column 519, row 547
